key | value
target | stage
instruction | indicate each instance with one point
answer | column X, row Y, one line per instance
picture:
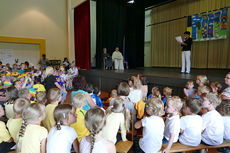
column 161, row 77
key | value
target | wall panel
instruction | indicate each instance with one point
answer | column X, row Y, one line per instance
column 166, row 52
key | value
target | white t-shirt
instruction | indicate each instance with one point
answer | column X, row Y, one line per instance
column 226, row 120
column 99, row 146
column 213, row 127
column 192, row 126
column 172, row 126
column 226, row 92
column 153, row 133
column 135, row 95
column 60, row 141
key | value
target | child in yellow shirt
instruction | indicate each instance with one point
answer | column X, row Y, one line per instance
column 32, row 137
column 14, row 124
column 53, row 97
column 79, row 101
column 6, row 142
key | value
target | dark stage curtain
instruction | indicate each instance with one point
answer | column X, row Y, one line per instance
column 120, row 24
column 82, row 35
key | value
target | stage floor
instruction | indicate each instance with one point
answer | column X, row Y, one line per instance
column 107, row 80
column 212, row 74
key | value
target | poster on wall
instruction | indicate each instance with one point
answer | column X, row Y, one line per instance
column 7, row 56
column 210, row 26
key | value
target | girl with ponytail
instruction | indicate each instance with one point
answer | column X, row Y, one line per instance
column 95, row 143
column 62, row 136
column 32, row 137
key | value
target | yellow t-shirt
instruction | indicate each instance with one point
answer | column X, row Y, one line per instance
column 49, row 121
column 4, row 134
column 79, row 125
column 9, row 110
column 31, row 141
column 39, row 87
column 14, row 126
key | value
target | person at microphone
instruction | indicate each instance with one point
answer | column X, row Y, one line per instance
column 186, row 52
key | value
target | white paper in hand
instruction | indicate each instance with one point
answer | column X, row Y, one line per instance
column 179, row 39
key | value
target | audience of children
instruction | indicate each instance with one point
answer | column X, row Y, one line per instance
column 95, row 129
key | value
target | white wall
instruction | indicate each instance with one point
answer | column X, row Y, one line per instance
column 93, row 32
column 32, row 52
column 147, row 49
column 45, row 19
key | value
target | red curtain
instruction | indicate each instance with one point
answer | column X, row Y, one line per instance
column 82, row 35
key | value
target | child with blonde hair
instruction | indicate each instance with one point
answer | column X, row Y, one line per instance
column 202, row 80
column 14, row 124
column 135, row 93
column 41, row 97
column 95, row 119
column 113, row 94
column 189, row 91
column 53, row 97
column 11, row 96
column 6, row 142
column 153, row 128
column 190, row 132
column 213, row 126
column 32, row 137
column 167, row 92
column 216, row 87
column 172, row 124
column 62, row 136
column 24, row 93
column 155, row 93
column 117, row 116
column 79, row 101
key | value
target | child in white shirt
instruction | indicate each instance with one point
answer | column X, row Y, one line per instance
column 190, row 132
column 62, row 136
column 153, row 127
column 224, row 109
column 172, row 124
column 213, row 126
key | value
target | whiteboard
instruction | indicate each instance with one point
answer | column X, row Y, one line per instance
column 23, row 52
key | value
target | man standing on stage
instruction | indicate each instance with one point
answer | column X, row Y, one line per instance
column 118, row 59
column 186, row 52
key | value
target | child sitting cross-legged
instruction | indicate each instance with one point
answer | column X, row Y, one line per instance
column 153, row 128
column 190, row 132
column 172, row 125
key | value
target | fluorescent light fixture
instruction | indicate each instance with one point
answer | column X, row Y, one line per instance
column 130, row 1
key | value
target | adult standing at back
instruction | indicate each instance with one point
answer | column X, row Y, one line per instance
column 186, row 52
column 43, row 62
column 118, row 59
